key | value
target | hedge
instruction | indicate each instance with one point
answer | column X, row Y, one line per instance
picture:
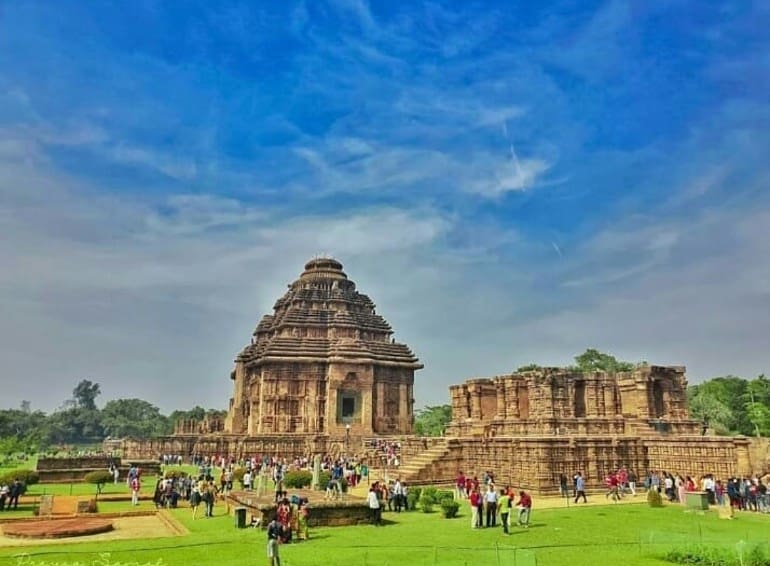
column 449, row 507
column 298, row 479
column 27, row 477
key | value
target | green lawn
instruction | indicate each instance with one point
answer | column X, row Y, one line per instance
column 623, row 534
column 15, row 464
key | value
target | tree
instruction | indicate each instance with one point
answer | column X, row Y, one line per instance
column 733, row 405
column 432, row 421
column 85, row 394
column 710, row 410
column 756, row 401
column 132, row 417
column 593, row 360
column 99, row 478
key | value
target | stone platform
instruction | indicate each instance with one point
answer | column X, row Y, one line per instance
column 349, row 510
column 57, row 528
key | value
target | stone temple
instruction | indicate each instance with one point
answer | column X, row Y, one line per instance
column 323, row 363
column 321, row 371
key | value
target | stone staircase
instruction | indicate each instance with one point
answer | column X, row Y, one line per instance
column 431, row 466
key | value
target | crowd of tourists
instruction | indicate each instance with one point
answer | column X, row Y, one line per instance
column 740, row 493
column 386, row 452
column 491, row 505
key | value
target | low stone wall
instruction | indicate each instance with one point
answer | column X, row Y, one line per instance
column 69, row 470
column 82, row 462
column 535, row 463
column 286, row 445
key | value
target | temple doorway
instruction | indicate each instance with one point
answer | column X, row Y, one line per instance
column 579, row 403
column 658, row 406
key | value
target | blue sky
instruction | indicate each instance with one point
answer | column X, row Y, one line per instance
column 511, row 182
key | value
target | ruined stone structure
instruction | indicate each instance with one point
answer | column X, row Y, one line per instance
column 208, row 425
column 532, row 426
column 554, row 401
column 322, row 371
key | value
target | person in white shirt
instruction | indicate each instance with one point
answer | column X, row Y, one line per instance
column 490, row 498
column 374, row 504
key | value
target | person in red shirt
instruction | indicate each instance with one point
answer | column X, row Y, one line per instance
column 476, row 506
column 525, row 509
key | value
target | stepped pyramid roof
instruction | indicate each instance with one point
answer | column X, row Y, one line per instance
column 322, row 317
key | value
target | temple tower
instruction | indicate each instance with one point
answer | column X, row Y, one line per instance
column 323, row 363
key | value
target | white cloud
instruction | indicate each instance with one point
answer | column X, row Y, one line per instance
column 173, row 166
column 518, row 175
column 359, row 9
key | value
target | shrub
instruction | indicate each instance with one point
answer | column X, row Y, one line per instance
column 27, row 477
column 430, row 493
column 174, row 474
column 411, row 500
column 238, row 475
column 653, row 498
column 449, row 507
column 298, row 479
column 323, row 480
column 416, row 490
column 443, row 494
column 426, row 503
column 99, row 478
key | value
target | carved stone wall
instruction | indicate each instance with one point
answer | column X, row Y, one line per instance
column 535, row 462
column 530, row 427
column 563, row 402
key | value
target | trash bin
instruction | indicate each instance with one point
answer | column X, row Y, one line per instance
column 697, row 500
column 240, row 517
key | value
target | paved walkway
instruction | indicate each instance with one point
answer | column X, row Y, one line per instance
column 551, row 501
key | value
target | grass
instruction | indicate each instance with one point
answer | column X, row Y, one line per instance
column 15, row 464
column 623, row 534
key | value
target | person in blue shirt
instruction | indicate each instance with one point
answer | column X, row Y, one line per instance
column 274, row 534
column 580, row 488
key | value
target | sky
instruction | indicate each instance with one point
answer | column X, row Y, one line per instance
column 511, row 182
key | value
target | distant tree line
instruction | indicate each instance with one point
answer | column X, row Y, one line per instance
column 80, row 421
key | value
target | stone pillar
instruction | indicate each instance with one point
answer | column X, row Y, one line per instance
column 380, row 411
column 601, row 405
column 502, row 411
column 511, row 399
column 742, row 456
column 476, row 403
column 403, row 412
